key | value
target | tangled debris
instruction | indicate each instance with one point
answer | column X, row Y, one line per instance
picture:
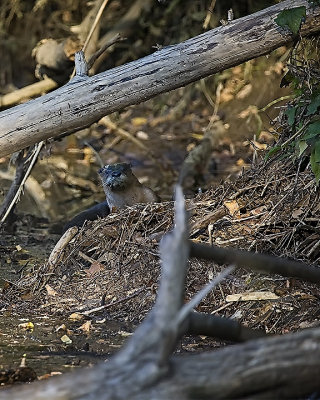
column 114, row 262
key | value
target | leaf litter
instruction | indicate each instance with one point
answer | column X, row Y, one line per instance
column 112, row 266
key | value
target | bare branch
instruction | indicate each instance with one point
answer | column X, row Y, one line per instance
column 257, row 262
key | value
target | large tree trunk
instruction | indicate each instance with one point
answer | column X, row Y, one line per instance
column 84, row 100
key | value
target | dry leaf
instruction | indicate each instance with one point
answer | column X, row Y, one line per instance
column 296, row 213
column 226, row 95
column 137, row 121
column 252, row 296
column 65, row 339
column 27, row 295
column 50, row 291
column 75, row 317
column 27, row 326
column 46, row 376
column 258, row 146
column 250, row 110
column 96, row 267
column 244, row 92
column 61, row 328
column 125, row 334
column 86, row 326
column 233, row 207
column 110, row 231
column 258, row 210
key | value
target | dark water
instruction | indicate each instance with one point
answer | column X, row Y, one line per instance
column 46, row 353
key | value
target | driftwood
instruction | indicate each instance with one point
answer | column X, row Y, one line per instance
column 286, row 366
column 85, row 100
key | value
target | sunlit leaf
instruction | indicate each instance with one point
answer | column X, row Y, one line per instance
column 76, row 317
column 233, row 207
column 291, row 18
column 302, row 146
column 50, row 290
column 86, row 327
column 65, row 339
column 315, row 165
column 27, row 326
column 137, row 121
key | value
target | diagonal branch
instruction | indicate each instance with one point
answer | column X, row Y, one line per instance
column 257, row 262
column 80, row 103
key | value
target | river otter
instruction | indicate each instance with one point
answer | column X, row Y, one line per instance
column 122, row 189
column 100, row 210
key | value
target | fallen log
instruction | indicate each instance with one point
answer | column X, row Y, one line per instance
column 85, row 100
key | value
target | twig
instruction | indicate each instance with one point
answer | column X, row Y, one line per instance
column 187, row 308
column 95, row 23
column 295, row 135
column 27, row 92
column 209, row 13
column 38, row 147
column 93, row 310
column 290, row 96
column 97, row 54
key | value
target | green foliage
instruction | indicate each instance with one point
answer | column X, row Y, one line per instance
column 273, row 151
column 312, row 131
column 291, row 112
column 315, row 160
column 300, row 123
column 291, row 18
column 314, row 104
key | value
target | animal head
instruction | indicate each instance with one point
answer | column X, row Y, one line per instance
column 116, row 176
